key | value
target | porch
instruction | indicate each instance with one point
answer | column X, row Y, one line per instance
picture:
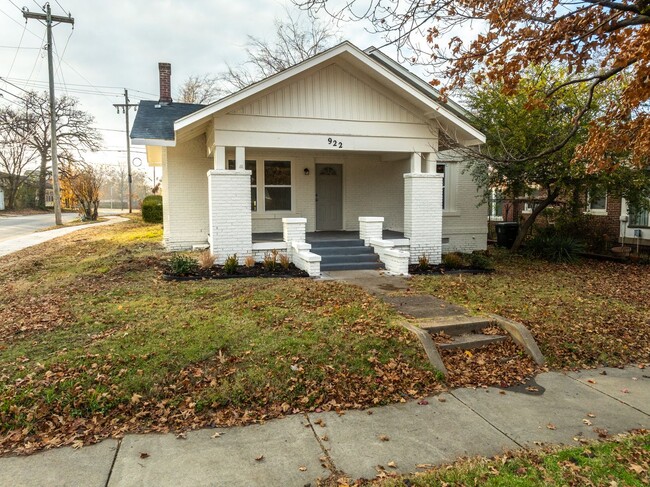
column 310, row 237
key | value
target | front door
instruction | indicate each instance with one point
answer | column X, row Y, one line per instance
column 329, row 197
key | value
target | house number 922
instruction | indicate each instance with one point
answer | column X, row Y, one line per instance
column 335, row 143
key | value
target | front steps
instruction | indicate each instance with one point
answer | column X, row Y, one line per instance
column 344, row 255
column 461, row 332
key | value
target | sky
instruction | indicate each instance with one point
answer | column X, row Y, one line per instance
column 117, row 44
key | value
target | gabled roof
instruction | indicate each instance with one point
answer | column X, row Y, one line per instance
column 372, row 61
column 155, row 121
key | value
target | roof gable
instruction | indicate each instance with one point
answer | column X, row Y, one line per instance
column 334, row 93
column 370, row 65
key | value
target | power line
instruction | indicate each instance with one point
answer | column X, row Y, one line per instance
column 18, row 23
column 94, row 86
column 20, row 43
column 19, row 47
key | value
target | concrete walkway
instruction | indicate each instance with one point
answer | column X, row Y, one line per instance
column 295, row 451
column 19, row 243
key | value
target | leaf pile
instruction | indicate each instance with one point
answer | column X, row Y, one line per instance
column 128, row 352
column 582, row 315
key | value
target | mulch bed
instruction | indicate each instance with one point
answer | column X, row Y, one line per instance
column 416, row 269
column 218, row 272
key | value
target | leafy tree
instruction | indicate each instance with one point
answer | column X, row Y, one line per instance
column 15, row 160
column 599, row 41
column 515, row 130
column 81, row 183
column 30, row 124
column 296, row 38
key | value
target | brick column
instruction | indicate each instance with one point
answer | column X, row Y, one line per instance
column 293, row 230
column 423, row 215
column 229, row 208
column 371, row 228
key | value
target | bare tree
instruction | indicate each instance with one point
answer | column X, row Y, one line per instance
column 296, row 38
column 201, row 89
column 30, row 123
column 15, row 159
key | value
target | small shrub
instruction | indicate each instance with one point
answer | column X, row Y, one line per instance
column 423, row 262
column 284, row 261
column 480, row 261
column 230, row 265
column 270, row 261
column 180, row 264
column 152, row 209
column 453, row 260
column 249, row 261
column 555, row 247
column 206, row 259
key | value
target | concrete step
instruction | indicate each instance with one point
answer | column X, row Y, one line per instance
column 336, row 243
column 325, row 251
column 455, row 324
column 341, row 259
column 470, row 340
column 351, row 266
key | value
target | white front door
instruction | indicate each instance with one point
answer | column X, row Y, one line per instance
column 329, row 197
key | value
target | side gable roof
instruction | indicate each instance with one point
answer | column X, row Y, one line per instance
column 155, row 121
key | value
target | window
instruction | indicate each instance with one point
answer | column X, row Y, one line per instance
column 442, row 169
column 495, row 205
column 277, row 186
column 250, row 166
column 638, row 218
column 597, row 203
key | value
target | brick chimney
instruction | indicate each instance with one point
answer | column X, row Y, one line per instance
column 165, row 73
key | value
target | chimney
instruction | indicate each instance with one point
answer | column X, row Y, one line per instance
column 165, row 73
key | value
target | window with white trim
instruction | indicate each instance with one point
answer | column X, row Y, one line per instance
column 277, row 185
column 638, row 217
column 251, row 165
column 597, row 203
column 495, row 206
column 442, row 169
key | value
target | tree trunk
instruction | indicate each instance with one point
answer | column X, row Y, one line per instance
column 42, row 181
column 528, row 223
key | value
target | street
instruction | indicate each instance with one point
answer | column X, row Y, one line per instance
column 18, row 226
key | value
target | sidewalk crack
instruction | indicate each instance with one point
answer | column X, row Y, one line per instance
column 608, row 395
column 488, row 421
column 110, row 472
column 329, row 463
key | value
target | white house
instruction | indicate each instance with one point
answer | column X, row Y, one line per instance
column 347, row 141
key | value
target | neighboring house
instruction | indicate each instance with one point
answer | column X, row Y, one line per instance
column 346, row 141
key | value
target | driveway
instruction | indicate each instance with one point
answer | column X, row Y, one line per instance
column 18, row 226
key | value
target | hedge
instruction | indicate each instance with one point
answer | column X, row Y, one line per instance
column 152, row 209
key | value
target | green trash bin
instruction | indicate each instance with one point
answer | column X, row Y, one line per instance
column 507, row 233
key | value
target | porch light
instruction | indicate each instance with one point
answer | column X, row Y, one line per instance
column 306, row 171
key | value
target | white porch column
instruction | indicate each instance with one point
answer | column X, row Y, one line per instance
column 229, row 210
column 220, row 157
column 423, row 215
column 416, row 162
column 430, row 161
column 240, row 158
column 371, row 228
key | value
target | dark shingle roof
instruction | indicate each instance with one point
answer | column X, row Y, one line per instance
column 158, row 123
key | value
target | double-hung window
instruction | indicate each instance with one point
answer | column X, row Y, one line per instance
column 597, row 203
column 270, row 184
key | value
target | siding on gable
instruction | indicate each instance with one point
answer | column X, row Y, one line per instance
column 331, row 93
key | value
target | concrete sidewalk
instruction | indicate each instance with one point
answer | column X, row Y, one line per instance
column 19, row 243
column 299, row 449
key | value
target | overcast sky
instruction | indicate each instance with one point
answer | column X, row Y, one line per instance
column 117, row 44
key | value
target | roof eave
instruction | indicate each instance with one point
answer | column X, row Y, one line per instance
column 157, row 142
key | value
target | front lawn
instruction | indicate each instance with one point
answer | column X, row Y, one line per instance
column 620, row 461
column 582, row 315
column 94, row 344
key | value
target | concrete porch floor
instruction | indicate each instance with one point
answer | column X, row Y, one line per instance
column 325, row 235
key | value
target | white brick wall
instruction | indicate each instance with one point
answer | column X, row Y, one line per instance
column 423, row 215
column 230, row 214
column 396, row 261
column 185, row 194
column 370, row 227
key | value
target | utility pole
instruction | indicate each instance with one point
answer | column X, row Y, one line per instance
column 125, row 109
column 49, row 18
